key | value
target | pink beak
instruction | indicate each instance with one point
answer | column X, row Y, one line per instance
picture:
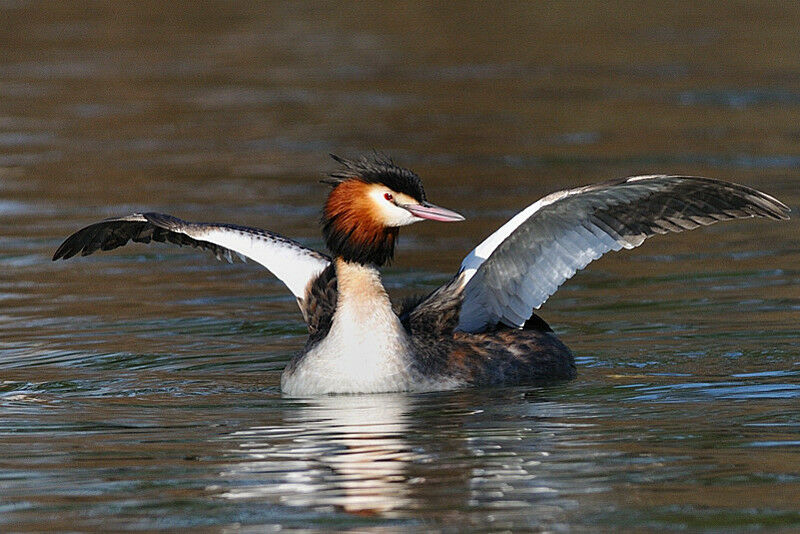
column 426, row 210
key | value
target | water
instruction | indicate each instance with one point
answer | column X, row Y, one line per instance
column 139, row 389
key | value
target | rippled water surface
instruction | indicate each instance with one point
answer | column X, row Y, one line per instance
column 139, row 389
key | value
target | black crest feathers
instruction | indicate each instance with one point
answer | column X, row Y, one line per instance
column 378, row 169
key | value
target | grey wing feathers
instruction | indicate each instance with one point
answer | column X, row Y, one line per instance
column 291, row 262
column 516, row 269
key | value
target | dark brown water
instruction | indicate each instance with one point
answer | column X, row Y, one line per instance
column 139, row 388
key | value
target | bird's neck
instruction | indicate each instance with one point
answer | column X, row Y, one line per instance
column 364, row 320
column 363, row 304
column 366, row 349
column 358, row 282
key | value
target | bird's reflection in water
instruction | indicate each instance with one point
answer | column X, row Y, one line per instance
column 346, row 452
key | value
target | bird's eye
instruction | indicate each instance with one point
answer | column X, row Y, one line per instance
column 388, row 196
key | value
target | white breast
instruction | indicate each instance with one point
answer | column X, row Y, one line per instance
column 367, row 349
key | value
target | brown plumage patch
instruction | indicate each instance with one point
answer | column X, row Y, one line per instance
column 458, row 359
column 511, row 356
column 319, row 304
column 352, row 228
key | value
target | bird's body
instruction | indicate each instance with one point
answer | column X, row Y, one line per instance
column 478, row 329
column 364, row 345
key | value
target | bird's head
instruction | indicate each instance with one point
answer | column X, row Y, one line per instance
column 370, row 200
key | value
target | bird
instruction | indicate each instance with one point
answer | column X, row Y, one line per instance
column 480, row 328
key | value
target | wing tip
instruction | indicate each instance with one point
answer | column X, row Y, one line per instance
column 770, row 207
column 67, row 249
column 783, row 212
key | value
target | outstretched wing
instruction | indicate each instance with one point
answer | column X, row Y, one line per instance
column 294, row 264
column 519, row 266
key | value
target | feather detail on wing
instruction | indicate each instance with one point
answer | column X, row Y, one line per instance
column 294, row 264
column 518, row 267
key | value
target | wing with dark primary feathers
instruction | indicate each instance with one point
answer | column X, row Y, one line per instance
column 518, row 267
column 294, row 264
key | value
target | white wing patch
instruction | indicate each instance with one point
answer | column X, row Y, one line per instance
column 294, row 265
column 479, row 254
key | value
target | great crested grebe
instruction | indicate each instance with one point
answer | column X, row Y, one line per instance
column 477, row 329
